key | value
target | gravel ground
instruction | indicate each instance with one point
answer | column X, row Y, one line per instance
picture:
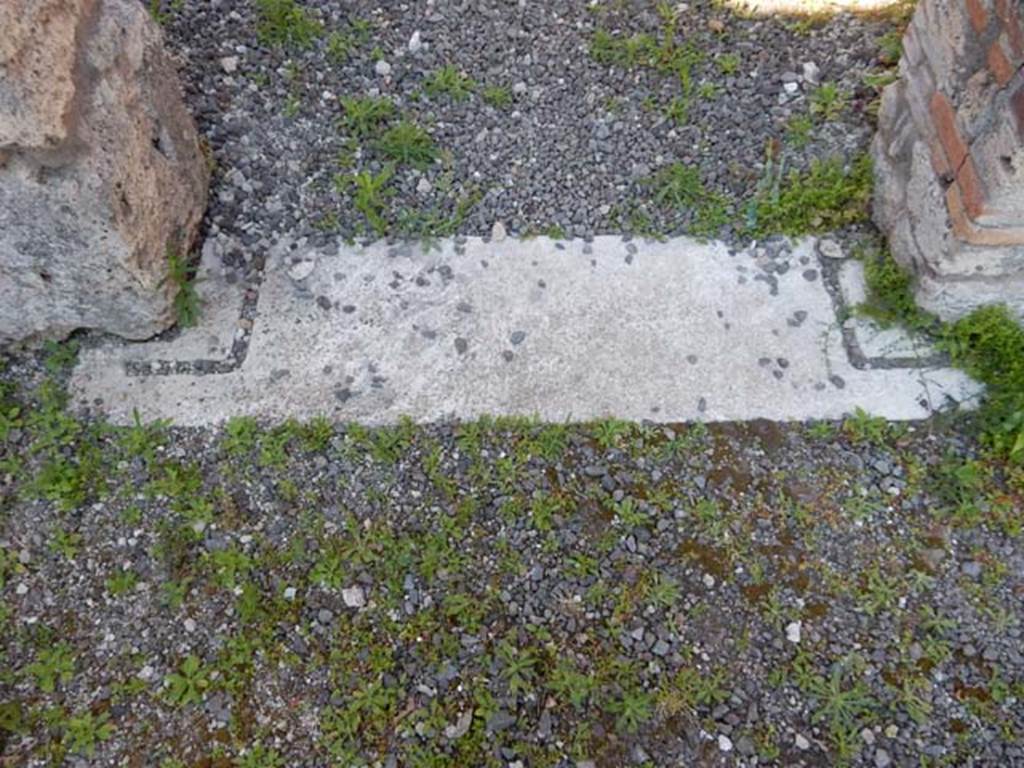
column 546, row 140
column 503, row 594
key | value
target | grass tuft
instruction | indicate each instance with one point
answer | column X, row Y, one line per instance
column 826, row 197
column 406, row 142
column 285, row 23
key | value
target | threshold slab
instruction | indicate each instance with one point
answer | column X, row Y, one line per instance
column 676, row 330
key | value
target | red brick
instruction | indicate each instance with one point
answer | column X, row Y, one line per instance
column 1017, row 105
column 940, row 163
column 966, row 231
column 971, row 188
column 944, row 121
column 998, row 64
column 957, row 215
column 1013, row 25
column 978, row 15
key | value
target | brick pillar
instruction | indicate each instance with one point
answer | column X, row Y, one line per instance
column 949, row 155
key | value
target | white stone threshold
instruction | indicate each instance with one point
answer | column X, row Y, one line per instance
column 668, row 331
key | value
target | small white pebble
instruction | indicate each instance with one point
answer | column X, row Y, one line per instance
column 382, row 68
column 793, row 631
column 801, row 742
column 190, row 625
column 353, row 597
column 709, row 580
column 289, row 593
column 724, row 743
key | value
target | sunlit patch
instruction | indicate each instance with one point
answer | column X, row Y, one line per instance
column 822, row 9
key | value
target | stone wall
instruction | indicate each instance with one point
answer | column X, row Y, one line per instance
column 101, row 172
column 949, row 155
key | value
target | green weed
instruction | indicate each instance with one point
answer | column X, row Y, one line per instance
column 52, row 666
column 496, row 95
column 286, row 23
column 728, row 63
column 567, row 682
column 449, row 81
column 518, row 667
column 60, row 355
column 187, row 685
column 989, row 345
column 798, row 130
column 406, row 142
column 824, row 198
column 84, row 730
column 827, row 102
column 187, row 306
column 369, row 195
column 364, row 114
column 679, row 186
column 122, row 582
column 632, row 709
column 342, row 44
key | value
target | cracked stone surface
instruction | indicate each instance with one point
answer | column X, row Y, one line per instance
column 668, row 331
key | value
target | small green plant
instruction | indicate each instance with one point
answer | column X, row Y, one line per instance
column 517, row 667
column 827, row 102
column 122, row 582
column 862, row 427
column 826, row 197
column 630, row 514
column 449, row 81
column 60, row 355
column 679, row 186
column 84, row 730
column 53, row 665
column 258, row 756
column 609, row 432
column 285, row 23
column 161, row 16
column 65, row 543
column 728, row 63
column 989, row 345
column 187, row 685
column 709, row 90
column 141, row 440
column 844, row 707
column 329, row 570
column 890, row 295
column 890, row 46
column 187, row 306
column 406, row 142
column 692, row 688
column 364, row 114
column 678, row 110
column 496, row 95
column 632, row 709
column 240, row 433
column 568, row 682
column 342, row 44
column 798, row 130
column 369, row 195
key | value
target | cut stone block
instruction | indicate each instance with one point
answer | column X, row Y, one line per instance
column 101, row 173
